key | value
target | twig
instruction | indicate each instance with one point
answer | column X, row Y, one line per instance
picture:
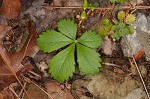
column 22, row 89
column 130, row 48
column 35, row 74
column 38, row 86
column 101, row 8
column 10, row 87
column 111, row 64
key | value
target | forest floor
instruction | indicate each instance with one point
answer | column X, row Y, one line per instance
column 22, row 62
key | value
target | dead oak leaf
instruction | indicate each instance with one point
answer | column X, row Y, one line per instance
column 10, row 8
column 14, row 60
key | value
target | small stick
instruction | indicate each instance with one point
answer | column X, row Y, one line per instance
column 80, row 7
column 22, row 89
column 111, row 64
column 10, row 87
column 35, row 74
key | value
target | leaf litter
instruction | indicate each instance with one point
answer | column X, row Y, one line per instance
column 15, row 59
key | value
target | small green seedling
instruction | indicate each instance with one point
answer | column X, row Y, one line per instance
column 123, row 27
column 120, row 27
column 105, row 27
column 62, row 65
column 86, row 5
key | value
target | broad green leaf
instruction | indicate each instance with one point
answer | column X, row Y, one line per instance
column 51, row 40
column 124, row 31
column 114, row 27
column 121, row 25
column 88, row 59
column 130, row 19
column 104, row 30
column 105, row 27
column 121, row 15
column 131, row 29
column 62, row 65
column 90, row 39
column 68, row 28
column 116, row 35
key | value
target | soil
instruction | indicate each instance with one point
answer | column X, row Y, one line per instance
column 118, row 77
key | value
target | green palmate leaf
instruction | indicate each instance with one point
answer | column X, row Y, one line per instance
column 51, row 40
column 105, row 27
column 68, row 28
column 88, row 59
column 114, row 27
column 124, row 31
column 130, row 19
column 62, row 65
column 90, row 39
column 116, row 35
column 120, row 32
column 131, row 29
column 121, row 25
column 121, row 15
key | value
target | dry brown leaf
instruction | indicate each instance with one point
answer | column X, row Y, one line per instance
column 139, row 54
column 10, row 8
column 14, row 60
column 119, row 71
column 56, row 91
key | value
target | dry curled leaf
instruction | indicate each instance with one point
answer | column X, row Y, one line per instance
column 10, row 8
column 8, row 60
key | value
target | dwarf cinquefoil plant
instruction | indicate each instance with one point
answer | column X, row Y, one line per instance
column 62, row 65
column 119, row 28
